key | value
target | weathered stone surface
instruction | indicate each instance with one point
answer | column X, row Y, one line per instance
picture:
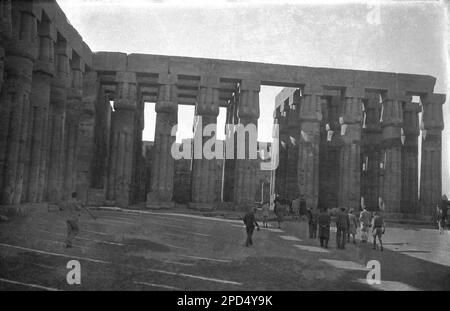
column 163, row 164
column 308, row 150
column 431, row 170
column 246, row 169
column 21, row 52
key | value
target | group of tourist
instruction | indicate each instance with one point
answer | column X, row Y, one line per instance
column 347, row 224
column 319, row 222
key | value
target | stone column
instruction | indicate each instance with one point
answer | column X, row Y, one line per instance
column 293, row 129
column 230, row 150
column 56, row 135
column 21, row 52
column 73, row 111
column 40, row 102
column 431, row 163
column 308, row 149
column 350, row 159
column 246, row 169
column 391, row 124
column 163, row 163
column 86, row 135
column 203, row 192
column 371, row 141
column 281, row 171
column 410, row 160
column 122, row 138
column 5, row 34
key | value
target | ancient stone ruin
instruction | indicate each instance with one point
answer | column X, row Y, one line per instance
column 345, row 136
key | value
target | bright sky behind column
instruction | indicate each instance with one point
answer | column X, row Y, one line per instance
column 395, row 36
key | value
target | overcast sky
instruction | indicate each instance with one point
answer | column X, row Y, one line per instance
column 400, row 36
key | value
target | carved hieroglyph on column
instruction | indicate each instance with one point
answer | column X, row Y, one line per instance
column 204, row 170
column 392, row 122
column 122, row 141
column 246, row 170
column 73, row 111
column 349, row 192
column 163, row 163
column 431, row 165
column 56, row 121
column 308, row 148
column 21, row 52
column 86, row 139
column 43, row 73
column 410, row 161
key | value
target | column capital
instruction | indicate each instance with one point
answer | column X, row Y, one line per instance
column 126, row 91
column 248, row 107
column 167, row 98
column 6, row 21
column 432, row 116
column 352, row 112
column 311, row 106
column 207, row 102
column 392, row 113
column 24, row 39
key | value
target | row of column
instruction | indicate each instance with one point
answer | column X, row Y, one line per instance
column 39, row 108
column 394, row 154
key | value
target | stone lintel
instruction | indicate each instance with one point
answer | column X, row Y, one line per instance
column 359, row 92
column 250, row 85
column 310, row 89
column 167, row 78
column 125, row 77
column 211, row 81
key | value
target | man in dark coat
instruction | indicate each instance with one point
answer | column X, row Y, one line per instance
column 250, row 223
column 342, row 226
column 324, row 227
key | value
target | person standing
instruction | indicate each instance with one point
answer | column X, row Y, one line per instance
column 364, row 219
column 324, row 227
column 296, row 208
column 313, row 216
column 342, row 225
column 353, row 225
column 250, row 223
column 378, row 230
column 265, row 214
column 302, row 203
column 73, row 209
column 444, row 209
column 278, row 209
